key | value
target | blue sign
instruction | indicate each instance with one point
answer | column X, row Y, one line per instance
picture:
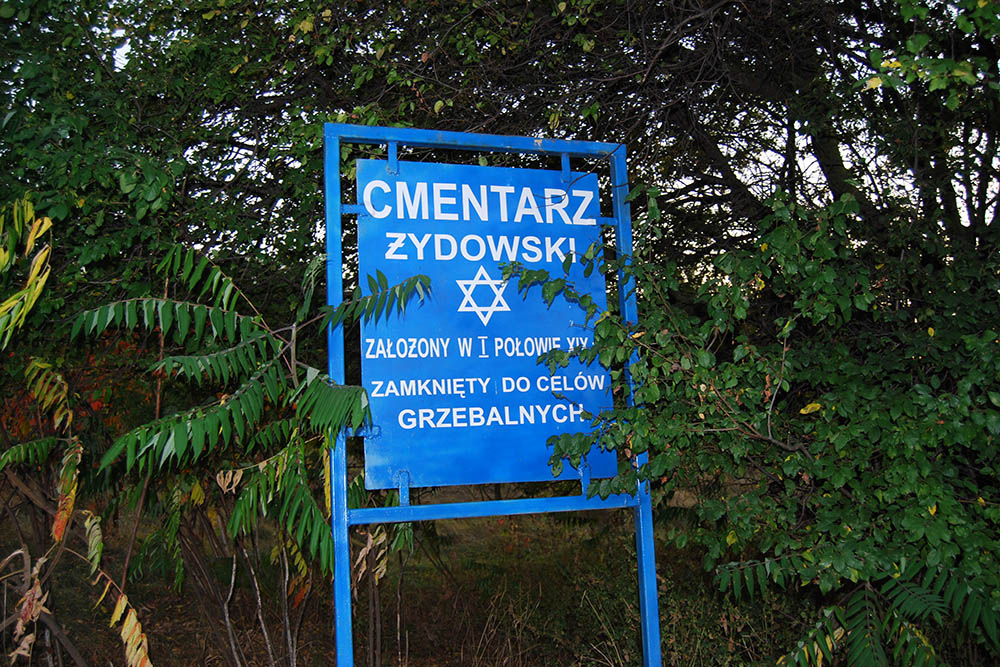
column 453, row 385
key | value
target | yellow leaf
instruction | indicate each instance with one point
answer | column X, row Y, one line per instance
column 130, row 626
column 37, row 263
column 119, row 608
column 197, row 494
column 41, row 226
column 327, row 495
column 638, row 334
column 35, row 290
column 809, row 409
column 932, row 509
column 982, row 503
column 731, row 538
column 873, row 82
column 136, row 647
column 106, row 587
column 132, row 647
column 891, row 64
column 763, row 247
column 11, row 302
column 930, row 331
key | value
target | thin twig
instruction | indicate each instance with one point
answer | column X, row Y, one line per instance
column 149, row 472
column 777, row 387
column 260, row 603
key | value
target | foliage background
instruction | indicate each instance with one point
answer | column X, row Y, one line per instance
column 816, row 257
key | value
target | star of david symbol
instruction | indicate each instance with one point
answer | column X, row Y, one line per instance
column 469, row 304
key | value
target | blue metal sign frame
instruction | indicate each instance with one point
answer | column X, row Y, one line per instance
column 335, row 136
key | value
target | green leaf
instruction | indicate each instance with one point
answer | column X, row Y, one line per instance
column 916, row 43
column 225, row 425
column 127, row 182
column 203, row 263
column 197, row 437
column 188, row 265
column 149, row 313
column 183, row 322
column 217, row 318
column 131, row 315
column 180, row 438
column 166, row 312
column 200, row 315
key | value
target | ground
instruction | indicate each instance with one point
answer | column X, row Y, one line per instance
column 558, row 589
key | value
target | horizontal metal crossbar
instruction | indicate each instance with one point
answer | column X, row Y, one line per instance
column 464, row 141
column 487, row 508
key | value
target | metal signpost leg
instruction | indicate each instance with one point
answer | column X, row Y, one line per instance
column 342, row 555
column 649, row 606
column 648, row 603
column 338, row 457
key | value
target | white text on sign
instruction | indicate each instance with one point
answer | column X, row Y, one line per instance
column 446, row 202
column 481, row 346
column 476, row 416
column 475, row 248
